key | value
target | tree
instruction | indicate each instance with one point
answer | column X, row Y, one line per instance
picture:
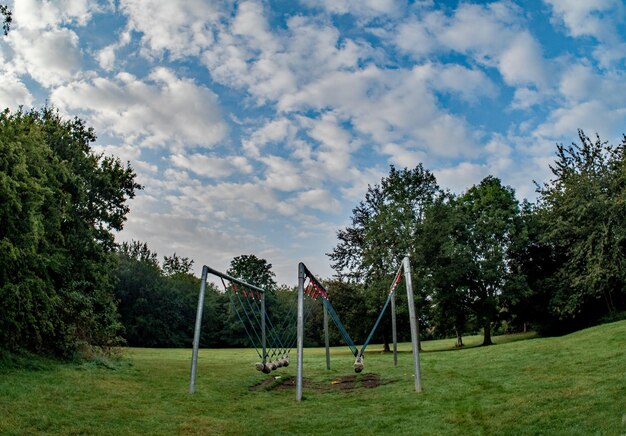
column 176, row 265
column 583, row 214
column 158, row 305
column 385, row 228
column 253, row 270
column 384, row 225
column 60, row 204
column 489, row 213
column 446, row 266
column 8, row 18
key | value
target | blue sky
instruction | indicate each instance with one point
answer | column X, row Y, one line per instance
column 256, row 126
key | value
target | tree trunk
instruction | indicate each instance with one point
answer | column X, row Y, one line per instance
column 386, row 348
column 487, row 333
column 459, row 337
column 419, row 342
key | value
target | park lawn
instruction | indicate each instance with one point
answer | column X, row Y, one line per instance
column 569, row 385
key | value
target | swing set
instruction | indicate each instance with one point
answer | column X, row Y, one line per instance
column 273, row 340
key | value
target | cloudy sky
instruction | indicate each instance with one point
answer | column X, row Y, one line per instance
column 256, row 126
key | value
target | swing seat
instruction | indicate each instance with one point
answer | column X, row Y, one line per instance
column 358, row 364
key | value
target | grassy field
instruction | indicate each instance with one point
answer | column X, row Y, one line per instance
column 570, row 385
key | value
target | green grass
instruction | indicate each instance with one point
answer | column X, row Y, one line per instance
column 570, row 385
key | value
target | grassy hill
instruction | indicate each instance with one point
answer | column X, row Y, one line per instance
column 569, row 385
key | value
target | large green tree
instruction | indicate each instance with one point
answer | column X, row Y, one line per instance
column 254, row 270
column 60, row 203
column 583, row 214
column 446, row 266
column 385, row 227
column 490, row 221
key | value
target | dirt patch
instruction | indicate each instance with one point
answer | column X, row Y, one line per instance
column 344, row 383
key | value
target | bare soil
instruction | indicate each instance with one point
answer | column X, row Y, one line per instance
column 344, row 383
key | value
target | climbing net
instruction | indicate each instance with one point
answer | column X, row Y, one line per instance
column 271, row 339
column 271, row 342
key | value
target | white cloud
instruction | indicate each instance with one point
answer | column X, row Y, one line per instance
column 367, row 9
column 283, row 174
column 414, row 37
column 271, row 66
column 482, row 30
column 51, row 57
column 181, row 28
column 460, row 177
column 42, row 14
column 387, row 106
column 493, row 35
column 319, row 199
column 162, row 111
column 276, row 131
column 591, row 116
column 250, row 23
column 403, row 156
column 522, row 62
column 169, row 232
column 590, row 17
column 106, row 57
column 13, row 93
column 580, row 83
column 468, row 84
column 212, row 166
column 600, row 19
column 590, row 100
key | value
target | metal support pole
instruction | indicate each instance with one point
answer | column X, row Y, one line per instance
column 263, row 333
column 413, row 319
column 196, row 334
column 300, row 331
column 326, row 338
column 394, row 335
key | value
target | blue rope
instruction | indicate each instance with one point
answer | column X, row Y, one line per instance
column 380, row 316
column 342, row 330
column 396, row 280
column 333, row 314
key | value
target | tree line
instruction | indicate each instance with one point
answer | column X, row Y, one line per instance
column 481, row 260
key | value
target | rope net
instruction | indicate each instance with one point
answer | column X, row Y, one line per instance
column 272, row 339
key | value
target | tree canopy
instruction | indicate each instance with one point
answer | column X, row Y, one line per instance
column 582, row 211
column 59, row 204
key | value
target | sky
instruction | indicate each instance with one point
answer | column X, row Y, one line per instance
column 256, row 126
